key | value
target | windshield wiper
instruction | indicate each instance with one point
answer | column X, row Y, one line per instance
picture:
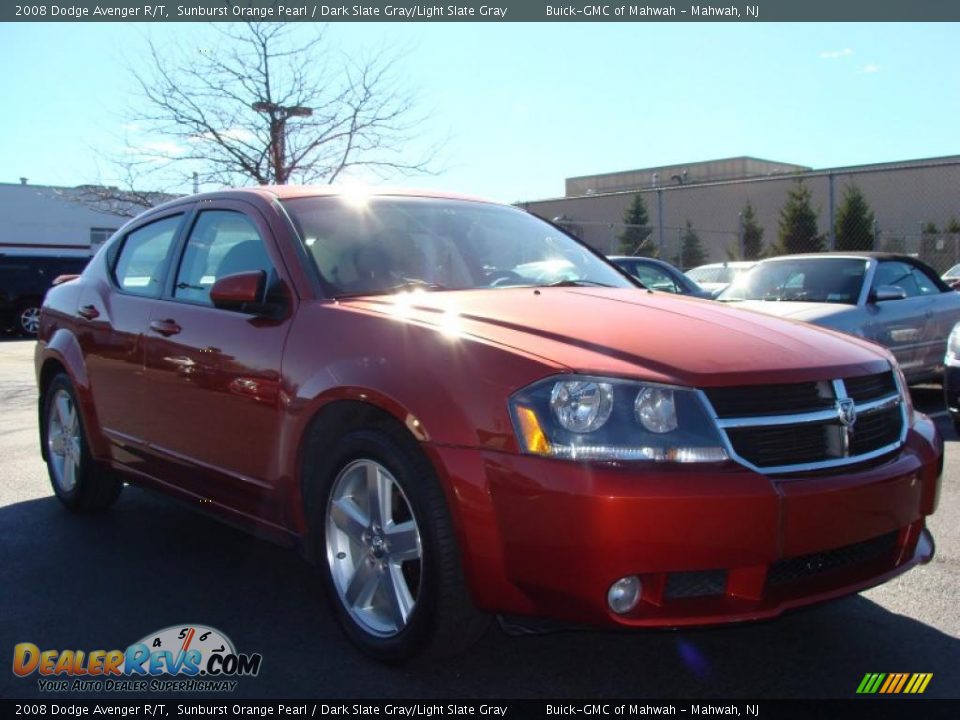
column 576, row 283
column 406, row 285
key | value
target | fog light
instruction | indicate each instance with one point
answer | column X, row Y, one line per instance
column 623, row 595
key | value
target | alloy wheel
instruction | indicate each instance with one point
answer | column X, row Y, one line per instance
column 373, row 548
column 30, row 320
column 63, row 441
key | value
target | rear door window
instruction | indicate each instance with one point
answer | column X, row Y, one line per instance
column 142, row 262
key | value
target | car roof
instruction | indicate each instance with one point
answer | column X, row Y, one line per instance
column 641, row 258
column 287, row 192
column 866, row 254
column 727, row 263
column 28, row 257
column 858, row 255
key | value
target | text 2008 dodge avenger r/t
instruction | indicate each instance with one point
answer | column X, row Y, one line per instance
column 456, row 410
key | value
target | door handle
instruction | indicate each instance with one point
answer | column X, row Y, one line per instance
column 165, row 327
column 89, row 312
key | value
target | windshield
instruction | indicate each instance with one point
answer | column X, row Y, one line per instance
column 711, row 274
column 376, row 245
column 824, row 280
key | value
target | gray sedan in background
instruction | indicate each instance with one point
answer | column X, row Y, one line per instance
column 895, row 300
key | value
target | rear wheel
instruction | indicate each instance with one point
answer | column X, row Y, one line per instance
column 388, row 553
column 78, row 482
column 28, row 318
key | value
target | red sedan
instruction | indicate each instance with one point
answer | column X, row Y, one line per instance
column 456, row 410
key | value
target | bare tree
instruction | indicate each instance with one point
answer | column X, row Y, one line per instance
column 123, row 195
column 265, row 105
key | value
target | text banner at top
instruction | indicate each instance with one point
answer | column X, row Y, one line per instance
column 472, row 11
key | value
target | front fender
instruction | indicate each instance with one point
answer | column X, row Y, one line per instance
column 446, row 392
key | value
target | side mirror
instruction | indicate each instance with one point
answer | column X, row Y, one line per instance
column 237, row 292
column 882, row 293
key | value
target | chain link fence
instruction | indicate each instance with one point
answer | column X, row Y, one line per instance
column 911, row 208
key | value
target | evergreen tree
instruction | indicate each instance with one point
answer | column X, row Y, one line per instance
column 692, row 252
column 752, row 233
column 635, row 238
column 854, row 222
column 952, row 240
column 798, row 223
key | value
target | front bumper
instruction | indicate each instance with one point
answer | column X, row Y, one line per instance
column 710, row 544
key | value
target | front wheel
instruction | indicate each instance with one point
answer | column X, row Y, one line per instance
column 78, row 481
column 389, row 556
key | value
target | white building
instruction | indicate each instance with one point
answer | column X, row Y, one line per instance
column 44, row 219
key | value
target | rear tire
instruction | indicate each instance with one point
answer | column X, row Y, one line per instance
column 79, row 482
column 387, row 551
column 28, row 318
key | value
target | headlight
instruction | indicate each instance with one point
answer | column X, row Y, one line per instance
column 953, row 347
column 656, row 410
column 904, row 392
column 581, row 406
column 586, row 418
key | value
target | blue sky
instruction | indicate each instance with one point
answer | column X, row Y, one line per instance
column 524, row 105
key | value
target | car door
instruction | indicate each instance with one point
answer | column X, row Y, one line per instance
column 905, row 325
column 112, row 317
column 944, row 314
column 215, row 373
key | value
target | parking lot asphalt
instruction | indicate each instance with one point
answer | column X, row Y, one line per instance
column 105, row 582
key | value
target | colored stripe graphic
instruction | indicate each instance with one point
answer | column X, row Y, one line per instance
column 870, row 683
column 890, row 679
column 894, row 683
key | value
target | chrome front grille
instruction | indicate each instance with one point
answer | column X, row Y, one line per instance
column 798, row 427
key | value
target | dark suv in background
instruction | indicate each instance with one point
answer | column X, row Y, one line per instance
column 24, row 281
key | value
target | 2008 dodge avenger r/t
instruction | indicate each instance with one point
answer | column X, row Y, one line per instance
column 457, row 410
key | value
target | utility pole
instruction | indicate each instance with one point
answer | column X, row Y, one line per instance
column 832, row 235
column 740, row 237
column 661, row 240
column 279, row 114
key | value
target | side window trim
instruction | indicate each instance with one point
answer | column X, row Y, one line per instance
column 116, row 251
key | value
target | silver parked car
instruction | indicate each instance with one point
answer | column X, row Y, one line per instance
column 895, row 300
column 716, row 277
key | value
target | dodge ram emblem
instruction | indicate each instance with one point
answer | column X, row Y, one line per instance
column 847, row 411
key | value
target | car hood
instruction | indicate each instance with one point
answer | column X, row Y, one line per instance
column 635, row 333
column 806, row 311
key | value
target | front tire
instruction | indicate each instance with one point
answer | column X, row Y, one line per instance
column 78, row 481
column 387, row 550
